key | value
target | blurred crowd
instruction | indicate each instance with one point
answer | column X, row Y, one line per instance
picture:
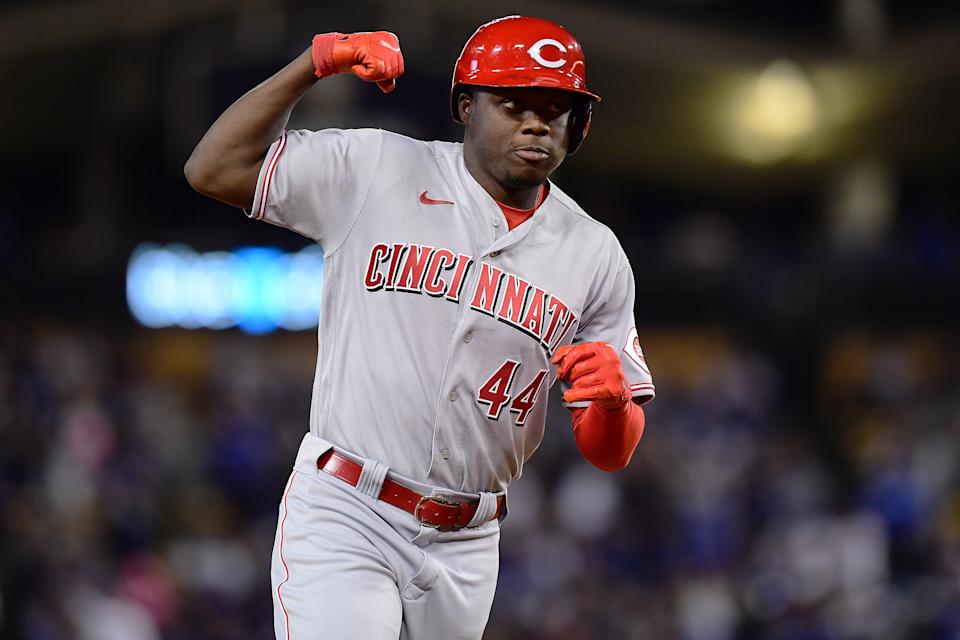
column 736, row 520
column 140, row 475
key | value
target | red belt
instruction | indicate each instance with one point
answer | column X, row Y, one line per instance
column 445, row 513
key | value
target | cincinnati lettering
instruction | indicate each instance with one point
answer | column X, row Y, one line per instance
column 441, row 273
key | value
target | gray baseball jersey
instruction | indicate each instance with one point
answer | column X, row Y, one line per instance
column 438, row 322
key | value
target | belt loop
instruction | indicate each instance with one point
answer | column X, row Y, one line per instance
column 371, row 478
column 485, row 510
column 311, row 448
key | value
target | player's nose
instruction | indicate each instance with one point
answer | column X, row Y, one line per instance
column 534, row 123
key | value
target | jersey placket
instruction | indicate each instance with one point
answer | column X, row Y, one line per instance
column 447, row 444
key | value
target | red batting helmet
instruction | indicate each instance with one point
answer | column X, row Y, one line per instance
column 517, row 51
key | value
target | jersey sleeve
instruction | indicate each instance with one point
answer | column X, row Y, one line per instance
column 315, row 182
column 611, row 320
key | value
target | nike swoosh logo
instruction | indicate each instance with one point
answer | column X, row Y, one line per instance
column 426, row 200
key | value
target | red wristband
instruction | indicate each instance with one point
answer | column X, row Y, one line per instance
column 322, row 54
column 608, row 438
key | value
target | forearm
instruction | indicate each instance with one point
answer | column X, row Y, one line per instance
column 607, row 439
column 226, row 162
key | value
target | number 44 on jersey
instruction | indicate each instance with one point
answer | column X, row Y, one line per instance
column 495, row 393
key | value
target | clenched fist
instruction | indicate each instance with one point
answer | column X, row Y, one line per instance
column 594, row 373
column 372, row 56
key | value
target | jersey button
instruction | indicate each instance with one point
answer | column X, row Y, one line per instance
column 496, row 222
column 467, row 337
column 453, row 396
column 445, row 453
column 494, row 254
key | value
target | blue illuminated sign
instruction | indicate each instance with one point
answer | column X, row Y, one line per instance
column 257, row 289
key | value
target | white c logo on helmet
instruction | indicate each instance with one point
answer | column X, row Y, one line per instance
column 534, row 52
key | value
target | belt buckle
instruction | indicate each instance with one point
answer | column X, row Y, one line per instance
column 440, row 499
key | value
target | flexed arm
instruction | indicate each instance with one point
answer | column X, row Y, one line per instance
column 227, row 160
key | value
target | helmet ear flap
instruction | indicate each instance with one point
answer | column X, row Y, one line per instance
column 455, row 102
column 579, row 126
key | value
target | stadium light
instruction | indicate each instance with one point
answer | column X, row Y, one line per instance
column 775, row 113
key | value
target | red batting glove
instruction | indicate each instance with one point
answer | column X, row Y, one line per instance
column 594, row 373
column 372, row 56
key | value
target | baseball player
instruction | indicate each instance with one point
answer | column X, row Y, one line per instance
column 459, row 285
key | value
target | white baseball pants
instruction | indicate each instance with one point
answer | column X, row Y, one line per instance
column 346, row 565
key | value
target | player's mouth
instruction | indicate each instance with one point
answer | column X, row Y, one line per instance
column 532, row 153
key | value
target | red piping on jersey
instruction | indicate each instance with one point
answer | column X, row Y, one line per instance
column 269, row 176
column 286, row 570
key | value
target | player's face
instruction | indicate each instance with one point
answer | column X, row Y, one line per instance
column 517, row 135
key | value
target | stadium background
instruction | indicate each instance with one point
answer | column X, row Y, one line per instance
column 783, row 177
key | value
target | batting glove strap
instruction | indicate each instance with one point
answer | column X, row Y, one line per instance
column 322, row 53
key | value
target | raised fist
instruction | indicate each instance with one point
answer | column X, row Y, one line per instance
column 372, row 56
column 594, row 373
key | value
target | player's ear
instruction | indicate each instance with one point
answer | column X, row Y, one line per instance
column 464, row 105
